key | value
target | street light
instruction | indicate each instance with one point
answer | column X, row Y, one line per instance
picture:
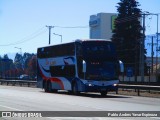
column 21, row 55
column 58, row 35
column 19, row 49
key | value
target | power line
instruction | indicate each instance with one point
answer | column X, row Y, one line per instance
column 28, row 38
column 33, row 37
column 72, row 26
column 39, row 32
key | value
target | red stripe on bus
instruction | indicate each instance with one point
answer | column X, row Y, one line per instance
column 52, row 79
column 58, row 81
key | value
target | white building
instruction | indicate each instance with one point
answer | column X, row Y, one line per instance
column 101, row 25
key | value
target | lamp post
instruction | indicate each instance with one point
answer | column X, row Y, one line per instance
column 58, row 35
column 19, row 49
column 21, row 55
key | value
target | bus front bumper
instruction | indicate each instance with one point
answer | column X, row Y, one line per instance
column 94, row 88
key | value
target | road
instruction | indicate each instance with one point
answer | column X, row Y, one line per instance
column 14, row 98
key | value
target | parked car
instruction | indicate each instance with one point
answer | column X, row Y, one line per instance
column 35, row 78
column 24, row 77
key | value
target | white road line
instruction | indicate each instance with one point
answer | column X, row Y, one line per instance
column 86, row 118
column 158, row 118
column 10, row 108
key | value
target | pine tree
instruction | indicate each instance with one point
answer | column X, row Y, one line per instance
column 128, row 33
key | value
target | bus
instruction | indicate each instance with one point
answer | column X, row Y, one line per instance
column 89, row 65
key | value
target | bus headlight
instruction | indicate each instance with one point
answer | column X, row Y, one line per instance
column 89, row 84
column 115, row 85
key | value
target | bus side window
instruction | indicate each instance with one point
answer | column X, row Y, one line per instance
column 79, row 49
column 80, row 67
column 65, row 71
column 70, row 70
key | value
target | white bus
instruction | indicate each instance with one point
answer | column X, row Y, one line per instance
column 79, row 66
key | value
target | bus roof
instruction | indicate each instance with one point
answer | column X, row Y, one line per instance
column 92, row 40
column 78, row 40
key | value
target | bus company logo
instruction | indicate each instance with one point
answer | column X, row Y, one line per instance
column 47, row 62
column 50, row 62
column 53, row 63
column 6, row 114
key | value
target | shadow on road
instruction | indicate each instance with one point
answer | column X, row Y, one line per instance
column 91, row 95
column 96, row 95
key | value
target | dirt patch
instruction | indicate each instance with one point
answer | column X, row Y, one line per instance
column 145, row 93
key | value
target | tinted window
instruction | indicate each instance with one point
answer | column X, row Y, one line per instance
column 99, row 50
column 56, row 51
column 65, row 71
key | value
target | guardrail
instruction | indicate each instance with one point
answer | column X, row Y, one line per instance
column 124, row 86
column 20, row 82
column 139, row 87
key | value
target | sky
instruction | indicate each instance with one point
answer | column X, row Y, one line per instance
column 23, row 22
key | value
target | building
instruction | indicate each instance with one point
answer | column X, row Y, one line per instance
column 101, row 25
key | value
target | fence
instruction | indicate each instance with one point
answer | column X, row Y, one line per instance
column 133, row 79
column 139, row 87
column 125, row 86
column 19, row 82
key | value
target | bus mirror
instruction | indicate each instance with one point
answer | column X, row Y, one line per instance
column 121, row 66
column 84, row 66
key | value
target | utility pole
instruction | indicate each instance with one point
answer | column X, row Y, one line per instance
column 142, row 50
column 142, row 45
column 152, row 54
column 50, row 27
column 157, row 49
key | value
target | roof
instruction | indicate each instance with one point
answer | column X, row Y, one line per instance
column 78, row 40
column 92, row 40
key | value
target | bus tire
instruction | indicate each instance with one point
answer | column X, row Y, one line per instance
column 50, row 89
column 75, row 89
column 103, row 93
column 49, row 85
column 54, row 90
column 45, row 86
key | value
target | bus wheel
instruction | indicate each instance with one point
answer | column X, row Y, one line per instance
column 74, row 89
column 103, row 93
column 54, row 90
column 49, row 87
column 45, row 87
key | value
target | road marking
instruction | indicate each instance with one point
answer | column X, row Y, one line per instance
column 10, row 108
column 155, row 118
column 85, row 118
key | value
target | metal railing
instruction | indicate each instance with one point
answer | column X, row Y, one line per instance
column 137, row 88
column 19, row 82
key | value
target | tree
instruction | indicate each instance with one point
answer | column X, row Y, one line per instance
column 32, row 66
column 5, row 56
column 127, row 34
column 5, row 65
column 18, row 61
column 26, row 59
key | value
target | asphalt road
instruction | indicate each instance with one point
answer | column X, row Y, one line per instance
column 14, row 98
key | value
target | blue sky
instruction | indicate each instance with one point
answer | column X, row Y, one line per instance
column 22, row 22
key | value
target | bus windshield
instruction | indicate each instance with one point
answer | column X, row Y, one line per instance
column 101, row 70
column 101, row 60
column 99, row 50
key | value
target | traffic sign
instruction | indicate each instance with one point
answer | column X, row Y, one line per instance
column 129, row 72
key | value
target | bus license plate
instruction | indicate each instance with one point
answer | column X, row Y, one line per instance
column 103, row 89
